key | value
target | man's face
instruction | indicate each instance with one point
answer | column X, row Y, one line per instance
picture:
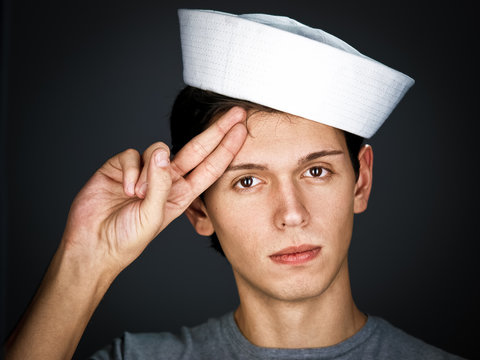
column 291, row 188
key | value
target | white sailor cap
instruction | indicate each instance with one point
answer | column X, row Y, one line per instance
column 280, row 63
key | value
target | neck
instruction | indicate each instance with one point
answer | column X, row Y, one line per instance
column 318, row 321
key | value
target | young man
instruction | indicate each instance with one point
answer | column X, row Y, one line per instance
column 272, row 176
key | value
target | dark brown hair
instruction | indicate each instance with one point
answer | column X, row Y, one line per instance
column 194, row 108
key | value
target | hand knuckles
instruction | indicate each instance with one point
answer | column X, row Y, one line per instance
column 212, row 169
column 198, row 148
column 225, row 147
column 130, row 153
column 177, row 168
column 220, row 126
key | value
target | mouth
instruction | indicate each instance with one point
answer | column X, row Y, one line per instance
column 296, row 255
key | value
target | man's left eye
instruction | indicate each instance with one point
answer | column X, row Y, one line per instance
column 316, row 172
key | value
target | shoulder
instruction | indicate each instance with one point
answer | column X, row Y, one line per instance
column 388, row 339
column 190, row 343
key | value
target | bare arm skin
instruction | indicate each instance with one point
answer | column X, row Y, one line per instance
column 111, row 221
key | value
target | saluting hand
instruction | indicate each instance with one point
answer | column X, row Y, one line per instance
column 132, row 198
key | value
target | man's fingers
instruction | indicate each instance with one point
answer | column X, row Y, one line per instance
column 130, row 166
column 215, row 164
column 201, row 146
column 142, row 183
column 159, row 183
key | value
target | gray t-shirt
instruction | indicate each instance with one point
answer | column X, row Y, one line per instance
column 221, row 339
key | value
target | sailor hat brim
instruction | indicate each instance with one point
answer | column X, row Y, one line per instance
column 280, row 63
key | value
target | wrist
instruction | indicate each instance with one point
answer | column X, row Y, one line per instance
column 86, row 271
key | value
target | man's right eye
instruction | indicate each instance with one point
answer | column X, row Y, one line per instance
column 247, row 182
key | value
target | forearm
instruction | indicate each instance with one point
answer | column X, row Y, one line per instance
column 56, row 319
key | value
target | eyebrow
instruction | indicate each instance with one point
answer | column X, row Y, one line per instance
column 247, row 166
column 303, row 160
column 318, row 154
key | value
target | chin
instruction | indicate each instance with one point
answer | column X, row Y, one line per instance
column 297, row 292
column 304, row 287
column 296, row 296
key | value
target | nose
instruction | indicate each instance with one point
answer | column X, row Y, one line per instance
column 290, row 210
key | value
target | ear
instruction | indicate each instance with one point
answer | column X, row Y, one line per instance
column 198, row 216
column 364, row 181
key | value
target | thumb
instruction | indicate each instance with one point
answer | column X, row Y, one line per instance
column 159, row 184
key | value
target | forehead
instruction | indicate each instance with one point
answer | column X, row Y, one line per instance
column 280, row 134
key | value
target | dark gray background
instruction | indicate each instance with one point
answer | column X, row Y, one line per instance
column 84, row 80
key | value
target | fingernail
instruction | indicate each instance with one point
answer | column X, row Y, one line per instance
column 143, row 188
column 131, row 189
column 161, row 158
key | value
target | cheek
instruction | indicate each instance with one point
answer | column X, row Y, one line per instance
column 341, row 207
column 240, row 221
column 240, row 224
column 331, row 211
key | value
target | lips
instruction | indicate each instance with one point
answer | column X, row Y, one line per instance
column 295, row 255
